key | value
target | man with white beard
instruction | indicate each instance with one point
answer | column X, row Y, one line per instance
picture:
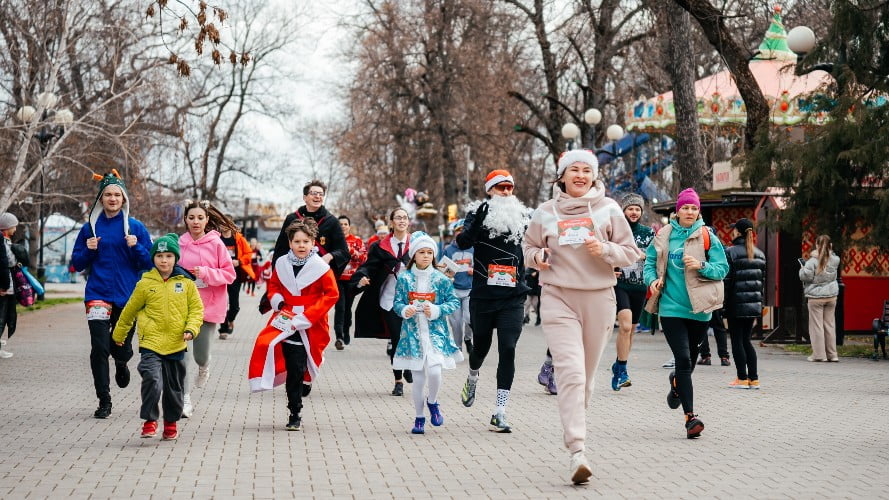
column 494, row 228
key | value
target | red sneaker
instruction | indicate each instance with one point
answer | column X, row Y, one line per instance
column 149, row 429
column 170, row 432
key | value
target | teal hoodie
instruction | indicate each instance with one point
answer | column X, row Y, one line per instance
column 674, row 301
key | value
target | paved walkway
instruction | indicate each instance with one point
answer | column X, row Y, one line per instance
column 814, row 430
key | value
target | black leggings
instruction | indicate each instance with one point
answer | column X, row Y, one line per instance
column 506, row 316
column 393, row 324
column 234, row 293
column 684, row 336
column 742, row 348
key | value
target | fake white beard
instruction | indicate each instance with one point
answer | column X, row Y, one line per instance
column 507, row 216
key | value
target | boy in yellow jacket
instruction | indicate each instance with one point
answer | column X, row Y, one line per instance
column 168, row 308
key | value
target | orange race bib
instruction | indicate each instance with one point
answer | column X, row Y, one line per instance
column 502, row 275
column 414, row 297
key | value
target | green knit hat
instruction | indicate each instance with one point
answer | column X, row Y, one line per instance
column 166, row 243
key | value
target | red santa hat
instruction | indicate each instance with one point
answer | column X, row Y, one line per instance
column 496, row 177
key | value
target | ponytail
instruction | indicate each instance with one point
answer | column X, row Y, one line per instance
column 748, row 242
column 823, row 246
column 216, row 220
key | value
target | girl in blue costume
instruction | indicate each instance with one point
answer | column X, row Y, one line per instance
column 424, row 297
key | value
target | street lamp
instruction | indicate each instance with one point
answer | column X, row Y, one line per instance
column 801, row 40
column 592, row 117
column 570, row 132
column 52, row 127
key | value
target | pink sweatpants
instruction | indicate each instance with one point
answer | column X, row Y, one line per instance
column 577, row 326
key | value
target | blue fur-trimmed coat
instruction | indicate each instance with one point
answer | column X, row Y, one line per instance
column 410, row 354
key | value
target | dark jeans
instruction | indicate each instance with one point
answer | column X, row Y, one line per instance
column 506, row 316
column 393, row 324
column 162, row 381
column 745, row 354
column 721, row 335
column 342, row 314
column 8, row 315
column 295, row 359
column 102, row 346
column 234, row 294
column 684, row 336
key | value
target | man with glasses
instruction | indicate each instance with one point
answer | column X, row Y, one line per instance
column 330, row 243
column 494, row 229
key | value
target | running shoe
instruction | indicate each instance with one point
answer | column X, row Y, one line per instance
column 187, row 408
column 739, row 384
column 551, row 384
column 203, row 375
column 580, row 468
column 149, row 429
column 170, row 432
column 693, row 426
column 5, row 354
column 725, row 362
column 499, row 424
column 435, row 416
column 419, row 426
column 294, row 423
column 398, row 390
column 103, row 411
column 339, row 345
column 468, row 394
column 624, row 377
column 546, row 371
column 669, row 364
column 615, row 376
column 754, row 384
column 673, row 400
column 705, row 360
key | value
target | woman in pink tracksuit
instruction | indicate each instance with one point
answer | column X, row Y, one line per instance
column 576, row 239
column 204, row 255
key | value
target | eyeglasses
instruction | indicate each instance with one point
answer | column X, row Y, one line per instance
column 503, row 187
column 315, row 193
column 400, row 218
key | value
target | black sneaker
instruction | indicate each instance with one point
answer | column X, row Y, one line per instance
column 121, row 374
column 103, row 411
column 339, row 345
column 408, row 377
column 673, row 400
column 725, row 362
column 705, row 360
column 693, row 426
column 307, row 388
column 294, row 423
column 398, row 390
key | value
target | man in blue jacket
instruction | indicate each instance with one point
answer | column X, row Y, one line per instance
column 116, row 249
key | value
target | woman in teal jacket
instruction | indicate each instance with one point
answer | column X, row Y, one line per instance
column 685, row 264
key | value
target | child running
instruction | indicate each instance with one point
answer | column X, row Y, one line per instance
column 290, row 348
column 169, row 311
column 423, row 297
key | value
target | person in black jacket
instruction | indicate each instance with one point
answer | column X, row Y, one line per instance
column 331, row 242
column 375, row 280
column 8, row 261
column 494, row 228
column 744, row 299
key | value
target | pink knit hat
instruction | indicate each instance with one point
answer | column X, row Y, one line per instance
column 688, row 197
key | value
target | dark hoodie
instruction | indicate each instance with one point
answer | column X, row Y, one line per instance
column 330, row 237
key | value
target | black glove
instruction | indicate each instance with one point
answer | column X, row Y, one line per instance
column 265, row 305
column 481, row 213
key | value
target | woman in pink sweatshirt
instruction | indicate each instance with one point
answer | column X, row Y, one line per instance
column 576, row 239
column 204, row 255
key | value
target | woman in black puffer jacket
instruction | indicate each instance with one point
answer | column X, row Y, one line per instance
column 744, row 299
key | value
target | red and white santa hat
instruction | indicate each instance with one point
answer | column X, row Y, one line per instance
column 496, row 177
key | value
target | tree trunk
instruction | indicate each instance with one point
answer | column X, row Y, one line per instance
column 690, row 161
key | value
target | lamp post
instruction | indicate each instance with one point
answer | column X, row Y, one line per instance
column 801, row 40
column 52, row 127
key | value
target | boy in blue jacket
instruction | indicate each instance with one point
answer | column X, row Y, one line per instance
column 116, row 249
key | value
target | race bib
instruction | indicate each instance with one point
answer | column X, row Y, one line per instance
column 501, row 275
column 198, row 282
column 575, row 231
column 633, row 273
column 98, row 310
column 283, row 321
column 415, row 297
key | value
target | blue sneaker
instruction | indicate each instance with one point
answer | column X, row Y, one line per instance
column 546, row 372
column 419, row 426
column 623, row 378
column 615, row 376
column 435, row 417
column 551, row 384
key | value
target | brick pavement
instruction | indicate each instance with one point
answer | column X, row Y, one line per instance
column 814, row 430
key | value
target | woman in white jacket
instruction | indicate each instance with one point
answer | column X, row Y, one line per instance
column 819, row 277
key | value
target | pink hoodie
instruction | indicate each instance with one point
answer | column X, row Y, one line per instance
column 215, row 268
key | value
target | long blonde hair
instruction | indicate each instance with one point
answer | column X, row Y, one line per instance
column 748, row 242
column 823, row 247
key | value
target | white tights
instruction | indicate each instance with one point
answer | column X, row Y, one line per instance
column 434, row 374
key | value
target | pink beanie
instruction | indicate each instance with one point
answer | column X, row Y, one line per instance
column 688, row 197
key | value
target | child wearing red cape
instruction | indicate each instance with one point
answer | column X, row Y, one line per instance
column 290, row 349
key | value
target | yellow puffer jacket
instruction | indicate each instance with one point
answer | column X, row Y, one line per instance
column 164, row 311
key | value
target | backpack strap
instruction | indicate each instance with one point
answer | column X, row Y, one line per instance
column 705, row 234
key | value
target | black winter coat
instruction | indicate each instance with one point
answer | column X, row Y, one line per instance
column 330, row 237
column 380, row 264
column 744, row 283
column 487, row 251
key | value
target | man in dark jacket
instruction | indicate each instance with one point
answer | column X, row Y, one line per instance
column 494, row 228
column 331, row 243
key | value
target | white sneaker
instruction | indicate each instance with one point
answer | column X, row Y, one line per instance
column 203, row 374
column 669, row 364
column 5, row 354
column 580, row 468
column 187, row 408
